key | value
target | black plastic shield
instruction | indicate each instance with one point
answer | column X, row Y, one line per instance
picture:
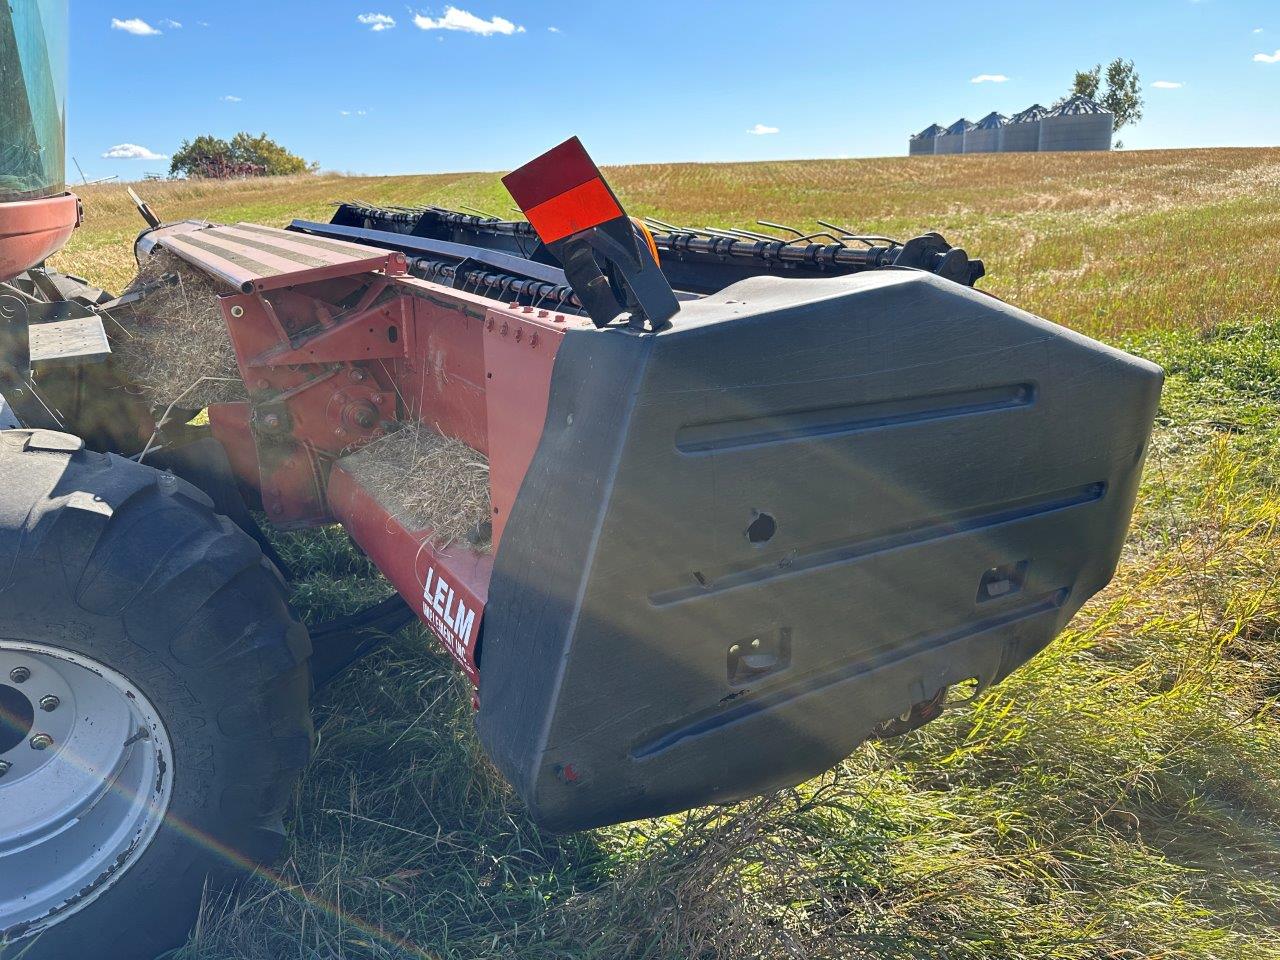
column 747, row 540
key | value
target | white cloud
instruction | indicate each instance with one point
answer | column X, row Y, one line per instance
column 1168, row 85
column 1257, row 29
column 455, row 19
column 553, row 29
column 377, row 22
column 202, row 23
column 1267, row 57
column 352, row 113
column 229, row 98
column 761, row 129
column 171, row 24
column 131, row 151
column 139, row 28
column 989, row 78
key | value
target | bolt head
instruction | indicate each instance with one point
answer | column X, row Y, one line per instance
column 41, row 741
column 19, row 674
column 5, row 767
column 49, row 703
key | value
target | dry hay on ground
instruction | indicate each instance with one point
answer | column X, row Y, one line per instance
column 174, row 342
column 428, row 482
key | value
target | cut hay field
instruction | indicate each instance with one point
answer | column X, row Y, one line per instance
column 1117, row 798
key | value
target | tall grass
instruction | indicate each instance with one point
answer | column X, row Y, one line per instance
column 1118, row 797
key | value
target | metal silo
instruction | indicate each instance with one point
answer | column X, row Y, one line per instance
column 922, row 143
column 1078, row 124
column 985, row 135
column 951, row 140
column 1022, row 133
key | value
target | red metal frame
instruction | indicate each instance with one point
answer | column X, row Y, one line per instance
column 333, row 360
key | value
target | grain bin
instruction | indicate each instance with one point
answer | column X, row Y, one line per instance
column 1022, row 133
column 951, row 140
column 986, row 134
column 1078, row 124
column 922, row 143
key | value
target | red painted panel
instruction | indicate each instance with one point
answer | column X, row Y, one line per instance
column 442, row 381
column 229, row 423
column 520, row 348
column 447, row 589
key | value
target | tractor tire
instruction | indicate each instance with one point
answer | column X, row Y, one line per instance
column 148, row 658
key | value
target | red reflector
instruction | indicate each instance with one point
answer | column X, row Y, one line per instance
column 587, row 205
column 559, row 169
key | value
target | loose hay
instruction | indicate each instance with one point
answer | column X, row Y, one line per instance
column 428, row 482
column 174, row 342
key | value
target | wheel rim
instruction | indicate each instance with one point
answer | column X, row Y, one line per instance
column 87, row 776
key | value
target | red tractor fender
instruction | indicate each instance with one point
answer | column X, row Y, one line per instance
column 33, row 230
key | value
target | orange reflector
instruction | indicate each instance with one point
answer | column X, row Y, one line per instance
column 580, row 208
column 648, row 238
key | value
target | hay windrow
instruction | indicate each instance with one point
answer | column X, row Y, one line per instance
column 428, row 481
column 174, row 342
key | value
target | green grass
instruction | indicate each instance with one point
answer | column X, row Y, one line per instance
column 1118, row 797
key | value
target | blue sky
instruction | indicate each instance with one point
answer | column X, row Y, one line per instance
column 494, row 82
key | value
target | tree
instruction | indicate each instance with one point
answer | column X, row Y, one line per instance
column 262, row 151
column 1122, row 98
column 243, row 156
column 1086, row 83
column 199, row 154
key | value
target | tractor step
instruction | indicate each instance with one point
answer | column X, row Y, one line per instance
column 71, row 342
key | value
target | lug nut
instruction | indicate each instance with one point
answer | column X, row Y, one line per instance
column 5, row 767
column 49, row 703
column 19, row 674
column 41, row 741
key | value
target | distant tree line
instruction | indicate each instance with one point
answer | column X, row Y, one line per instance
column 244, row 155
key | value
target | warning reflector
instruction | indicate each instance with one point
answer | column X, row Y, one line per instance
column 562, row 192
